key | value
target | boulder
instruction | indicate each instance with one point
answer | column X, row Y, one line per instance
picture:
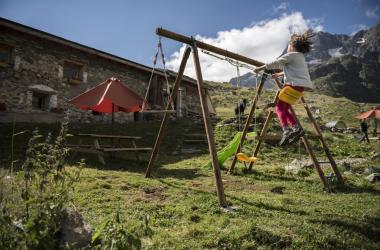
column 347, row 172
column 376, row 156
column 294, row 167
column 368, row 170
column 75, row 231
column 372, row 178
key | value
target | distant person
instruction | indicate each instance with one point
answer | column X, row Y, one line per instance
column 364, row 129
column 240, row 107
column 296, row 76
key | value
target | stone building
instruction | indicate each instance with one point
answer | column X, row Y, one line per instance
column 40, row 72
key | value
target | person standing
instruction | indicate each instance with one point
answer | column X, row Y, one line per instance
column 364, row 129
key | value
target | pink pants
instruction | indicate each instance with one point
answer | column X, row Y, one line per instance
column 283, row 111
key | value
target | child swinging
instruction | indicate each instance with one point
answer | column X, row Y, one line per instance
column 296, row 78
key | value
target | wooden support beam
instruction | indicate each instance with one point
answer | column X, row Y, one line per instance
column 165, row 120
column 323, row 142
column 152, row 111
column 248, row 121
column 313, row 158
column 308, row 147
column 208, row 128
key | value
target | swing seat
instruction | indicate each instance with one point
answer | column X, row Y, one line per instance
column 290, row 95
column 245, row 158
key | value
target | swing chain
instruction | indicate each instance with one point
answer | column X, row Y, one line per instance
column 160, row 52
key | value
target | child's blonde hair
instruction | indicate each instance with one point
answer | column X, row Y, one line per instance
column 302, row 43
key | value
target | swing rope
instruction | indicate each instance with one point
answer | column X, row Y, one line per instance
column 160, row 52
column 241, row 156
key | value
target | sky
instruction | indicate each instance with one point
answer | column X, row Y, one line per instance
column 259, row 29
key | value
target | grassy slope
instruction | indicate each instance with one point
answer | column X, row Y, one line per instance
column 273, row 209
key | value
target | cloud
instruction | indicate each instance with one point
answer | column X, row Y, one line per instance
column 371, row 13
column 315, row 24
column 282, row 7
column 263, row 41
column 358, row 27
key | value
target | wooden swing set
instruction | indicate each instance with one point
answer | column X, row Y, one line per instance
column 193, row 46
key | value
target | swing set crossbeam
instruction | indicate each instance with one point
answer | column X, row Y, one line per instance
column 208, row 47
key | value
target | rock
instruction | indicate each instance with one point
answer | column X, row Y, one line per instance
column 278, row 190
column 368, row 170
column 351, row 161
column 372, row 178
column 346, row 166
column 375, row 156
column 75, row 231
column 294, row 167
column 347, row 173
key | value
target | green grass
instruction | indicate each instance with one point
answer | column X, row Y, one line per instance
column 181, row 202
column 182, row 205
column 271, row 209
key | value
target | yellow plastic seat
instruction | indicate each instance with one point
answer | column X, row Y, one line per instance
column 245, row 158
column 290, row 95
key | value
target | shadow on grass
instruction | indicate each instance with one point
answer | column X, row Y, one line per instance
column 258, row 175
column 136, row 166
column 172, row 141
column 369, row 229
column 178, row 173
column 112, row 163
column 236, row 199
column 267, row 206
column 349, row 188
column 253, row 235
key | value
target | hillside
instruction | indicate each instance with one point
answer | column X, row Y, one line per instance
column 224, row 98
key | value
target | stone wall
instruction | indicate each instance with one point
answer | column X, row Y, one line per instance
column 37, row 67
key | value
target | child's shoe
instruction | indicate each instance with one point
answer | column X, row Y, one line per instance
column 285, row 136
column 296, row 133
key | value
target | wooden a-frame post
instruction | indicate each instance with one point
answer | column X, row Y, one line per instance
column 206, row 119
column 208, row 127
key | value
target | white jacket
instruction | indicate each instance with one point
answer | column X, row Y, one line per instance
column 295, row 69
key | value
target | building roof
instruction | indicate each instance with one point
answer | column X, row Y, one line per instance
column 41, row 34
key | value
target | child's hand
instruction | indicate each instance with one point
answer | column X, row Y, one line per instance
column 276, row 75
column 258, row 69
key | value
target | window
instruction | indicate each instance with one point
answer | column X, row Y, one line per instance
column 5, row 54
column 72, row 71
column 40, row 101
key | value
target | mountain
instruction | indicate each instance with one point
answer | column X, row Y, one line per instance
column 342, row 65
column 247, row 80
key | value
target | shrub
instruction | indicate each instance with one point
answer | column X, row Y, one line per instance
column 112, row 234
column 30, row 216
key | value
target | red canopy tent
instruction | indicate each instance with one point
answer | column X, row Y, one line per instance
column 373, row 113
column 109, row 96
